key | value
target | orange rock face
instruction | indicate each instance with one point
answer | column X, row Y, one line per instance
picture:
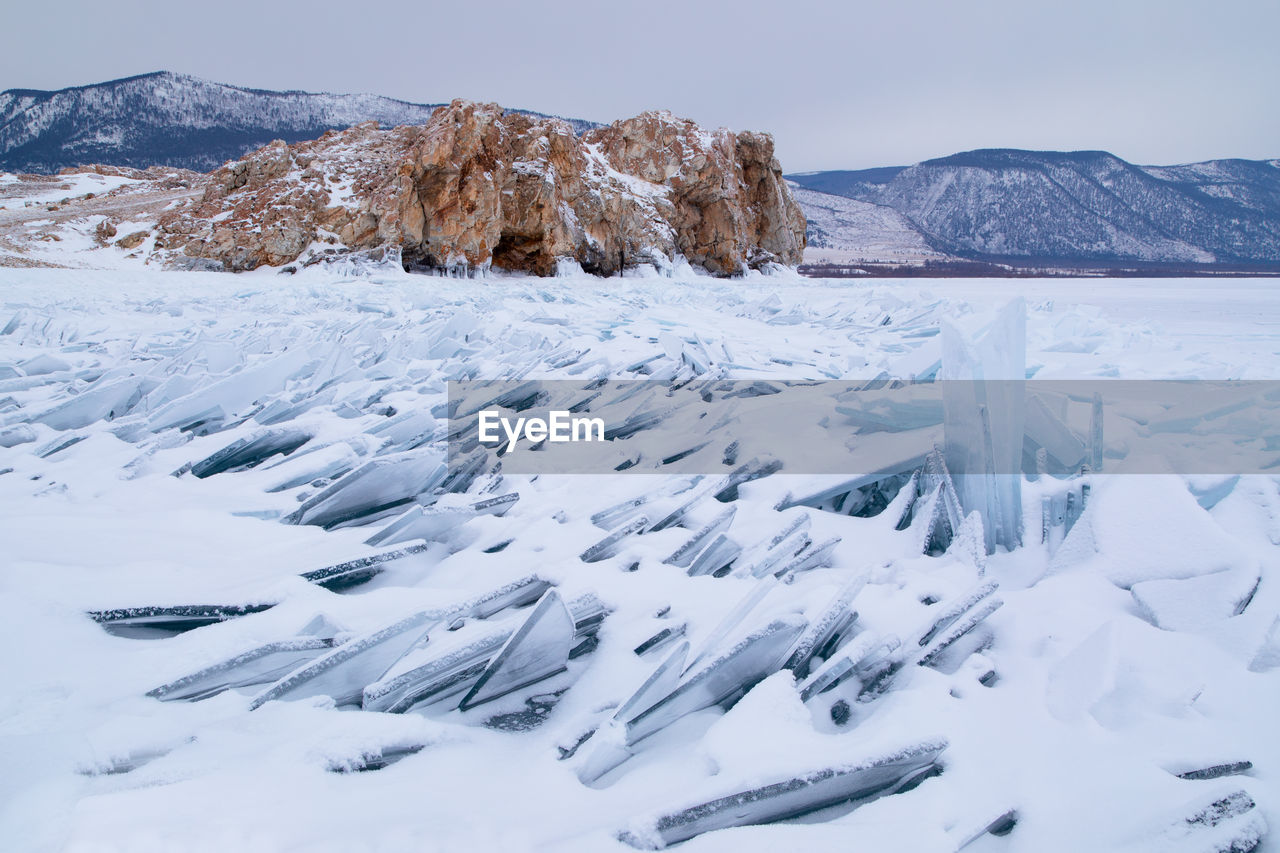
column 476, row 187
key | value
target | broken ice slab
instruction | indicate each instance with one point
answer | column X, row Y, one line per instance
column 251, row 450
column 685, row 554
column 905, row 464
column 954, row 610
column 719, row 682
column 611, row 517
column 383, row 757
column 261, row 665
column 734, row 618
column 373, row 488
column 800, row 795
column 463, row 472
column 1225, row 821
column 234, row 393
column 718, row 555
column 538, row 649
column 351, row 573
column 809, row 557
column 1045, row 431
column 1217, row 771
column 1198, row 602
column 99, row 402
column 984, row 420
column 606, row 546
column 786, row 544
column 660, row 684
column 419, row 522
column 13, row 436
column 431, row 522
column 702, row 491
column 1002, row 823
column 890, row 413
column 465, row 653
column 834, row 619
column 722, row 679
column 58, row 445
column 753, row 469
column 406, row 430
column 930, row 524
column 343, row 672
column 315, row 463
column 165, row 621
column 856, row 659
column 445, row 674
column 127, row 763
column 962, row 626
column 1096, row 444
column 661, row 638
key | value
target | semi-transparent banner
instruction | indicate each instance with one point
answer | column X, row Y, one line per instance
column 859, row 427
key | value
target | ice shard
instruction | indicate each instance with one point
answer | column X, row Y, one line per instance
column 984, row 420
column 834, row 619
column 375, row 487
column 734, row 618
column 454, row 663
column 13, row 436
column 722, row 679
column 809, row 557
column 1224, row 821
column 446, row 674
column 660, row 684
column 261, row 665
column 105, row 401
column 1217, row 771
column 661, row 638
column 685, row 554
column 859, row 658
column 419, row 522
column 718, row 555
column 344, row 672
column 859, row 782
column 351, row 573
column 606, row 546
column 1063, row 451
column 164, row 621
column 538, row 649
column 251, row 450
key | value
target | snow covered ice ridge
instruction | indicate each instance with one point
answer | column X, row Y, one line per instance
column 256, row 486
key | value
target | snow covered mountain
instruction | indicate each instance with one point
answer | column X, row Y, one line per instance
column 172, row 119
column 1078, row 207
column 843, row 230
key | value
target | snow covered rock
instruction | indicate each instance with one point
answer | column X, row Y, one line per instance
column 478, row 186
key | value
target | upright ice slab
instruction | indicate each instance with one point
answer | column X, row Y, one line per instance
column 538, row 649
column 984, row 410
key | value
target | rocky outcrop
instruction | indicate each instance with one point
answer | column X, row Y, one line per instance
column 477, row 186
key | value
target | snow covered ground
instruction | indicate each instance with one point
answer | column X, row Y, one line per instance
column 1143, row 646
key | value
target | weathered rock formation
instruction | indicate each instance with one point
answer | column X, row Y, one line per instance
column 477, row 186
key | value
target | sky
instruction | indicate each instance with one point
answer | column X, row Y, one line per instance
column 839, row 85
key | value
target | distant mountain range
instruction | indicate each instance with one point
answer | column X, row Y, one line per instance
column 994, row 206
column 176, row 120
column 1071, row 208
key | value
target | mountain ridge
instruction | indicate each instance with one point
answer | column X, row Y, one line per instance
column 1012, row 205
column 179, row 120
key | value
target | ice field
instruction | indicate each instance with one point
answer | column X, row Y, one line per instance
column 247, row 604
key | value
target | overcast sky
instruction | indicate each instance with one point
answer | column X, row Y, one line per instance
column 840, row 85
